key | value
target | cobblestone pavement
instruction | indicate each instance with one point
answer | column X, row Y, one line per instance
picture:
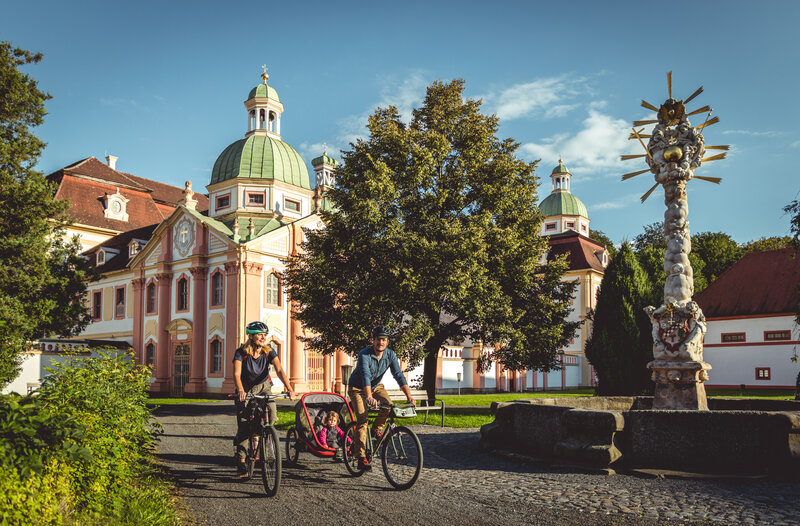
column 458, row 485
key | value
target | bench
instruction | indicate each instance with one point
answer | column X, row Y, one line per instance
column 421, row 397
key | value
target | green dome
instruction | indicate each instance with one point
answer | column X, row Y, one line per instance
column 264, row 91
column 324, row 159
column 563, row 203
column 261, row 157
column 561, row 168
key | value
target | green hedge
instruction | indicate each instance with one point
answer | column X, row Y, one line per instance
column 78, row 452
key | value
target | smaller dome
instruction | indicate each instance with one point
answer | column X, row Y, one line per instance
column 324, row 159
column 561, row 168
column 264, row 91
column 563, row 204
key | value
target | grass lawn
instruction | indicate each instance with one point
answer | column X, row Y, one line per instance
column 473, row 410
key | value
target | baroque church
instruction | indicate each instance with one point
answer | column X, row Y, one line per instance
column 182, row 273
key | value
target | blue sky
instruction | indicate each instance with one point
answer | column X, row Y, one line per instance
column 161, row 85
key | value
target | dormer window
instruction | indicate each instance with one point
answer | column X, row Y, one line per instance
column 115, row 206
column 134, row 247
column 105, row 254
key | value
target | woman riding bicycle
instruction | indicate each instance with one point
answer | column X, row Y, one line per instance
column 251, row 364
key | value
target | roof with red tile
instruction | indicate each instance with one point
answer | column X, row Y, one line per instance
column 581, row 252
column 759, row 283
column 87, row 207
column 85, row 182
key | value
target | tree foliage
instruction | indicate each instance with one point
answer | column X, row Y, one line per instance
column 649, row 247
column 767, row 243
column 603, row 239
column 41, row 277
column 436, row 234
column 621, row 345
column 718, row 251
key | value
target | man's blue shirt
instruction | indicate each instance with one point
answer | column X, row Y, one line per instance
column 369, row 369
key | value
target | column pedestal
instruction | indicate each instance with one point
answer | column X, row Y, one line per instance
column 679, row 385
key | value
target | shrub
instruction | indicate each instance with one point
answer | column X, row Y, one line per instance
column 79, row 451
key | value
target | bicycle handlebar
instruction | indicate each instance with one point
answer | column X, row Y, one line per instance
column 268, row 397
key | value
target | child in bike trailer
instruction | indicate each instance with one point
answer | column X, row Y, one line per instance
column 365, row 389
column 331, row 434
column 251, row 364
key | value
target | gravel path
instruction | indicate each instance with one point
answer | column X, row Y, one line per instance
column 458, row 485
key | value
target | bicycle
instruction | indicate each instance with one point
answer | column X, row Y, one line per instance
column 263, row 448
column 399, row 446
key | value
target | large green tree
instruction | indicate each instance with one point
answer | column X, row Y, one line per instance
column 621, row 345
column 649, row 247
column 718, row 251
column 41, row 276
column 435, row 234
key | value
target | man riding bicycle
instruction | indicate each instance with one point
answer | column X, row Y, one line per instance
column 366, row 390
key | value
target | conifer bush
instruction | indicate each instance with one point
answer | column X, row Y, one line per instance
column 621, row 344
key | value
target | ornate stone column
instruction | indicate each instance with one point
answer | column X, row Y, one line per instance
column 674, row 151
column 197, row 358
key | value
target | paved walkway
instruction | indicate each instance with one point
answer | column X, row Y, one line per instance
column 458, row 485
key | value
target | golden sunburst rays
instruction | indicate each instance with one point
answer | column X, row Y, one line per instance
column 670, row 113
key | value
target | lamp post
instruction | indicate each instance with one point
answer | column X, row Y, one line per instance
column 346, row 371
column 458, row 376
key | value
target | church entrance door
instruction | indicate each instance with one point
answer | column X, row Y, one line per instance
column 181, row 369
column 315, row 371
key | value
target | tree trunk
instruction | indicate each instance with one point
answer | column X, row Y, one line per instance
column 432, row 347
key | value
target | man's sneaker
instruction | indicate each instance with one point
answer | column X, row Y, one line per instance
column 241, row 470
column 364, row 465
column 337, row 456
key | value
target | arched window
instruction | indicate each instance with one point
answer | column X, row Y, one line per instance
column 150, row 354
column 272, row 290
column 217, row 289
column 215, row 358
column 271, row 125
column 262, row 118
column 151, row 298
column 183, row 294
column 275, row 346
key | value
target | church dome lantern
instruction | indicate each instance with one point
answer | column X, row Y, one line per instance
column 561, row 209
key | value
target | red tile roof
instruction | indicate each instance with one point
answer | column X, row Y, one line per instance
column 85, row 182
column 582, row 252
column 759, row 283
column 86, row 204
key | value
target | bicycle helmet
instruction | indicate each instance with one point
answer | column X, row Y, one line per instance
column 380, row 332
column 257, row 327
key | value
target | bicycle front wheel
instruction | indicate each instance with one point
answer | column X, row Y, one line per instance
column 270, row 461
column 350, row 456
column 402, row 457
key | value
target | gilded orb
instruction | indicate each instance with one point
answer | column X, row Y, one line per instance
column 673, row 153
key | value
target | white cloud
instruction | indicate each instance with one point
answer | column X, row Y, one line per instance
column 795, row 144
column 621, row 202
column 595, row 148
column 405, row 96
column 770, row 133
column 544, row 97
